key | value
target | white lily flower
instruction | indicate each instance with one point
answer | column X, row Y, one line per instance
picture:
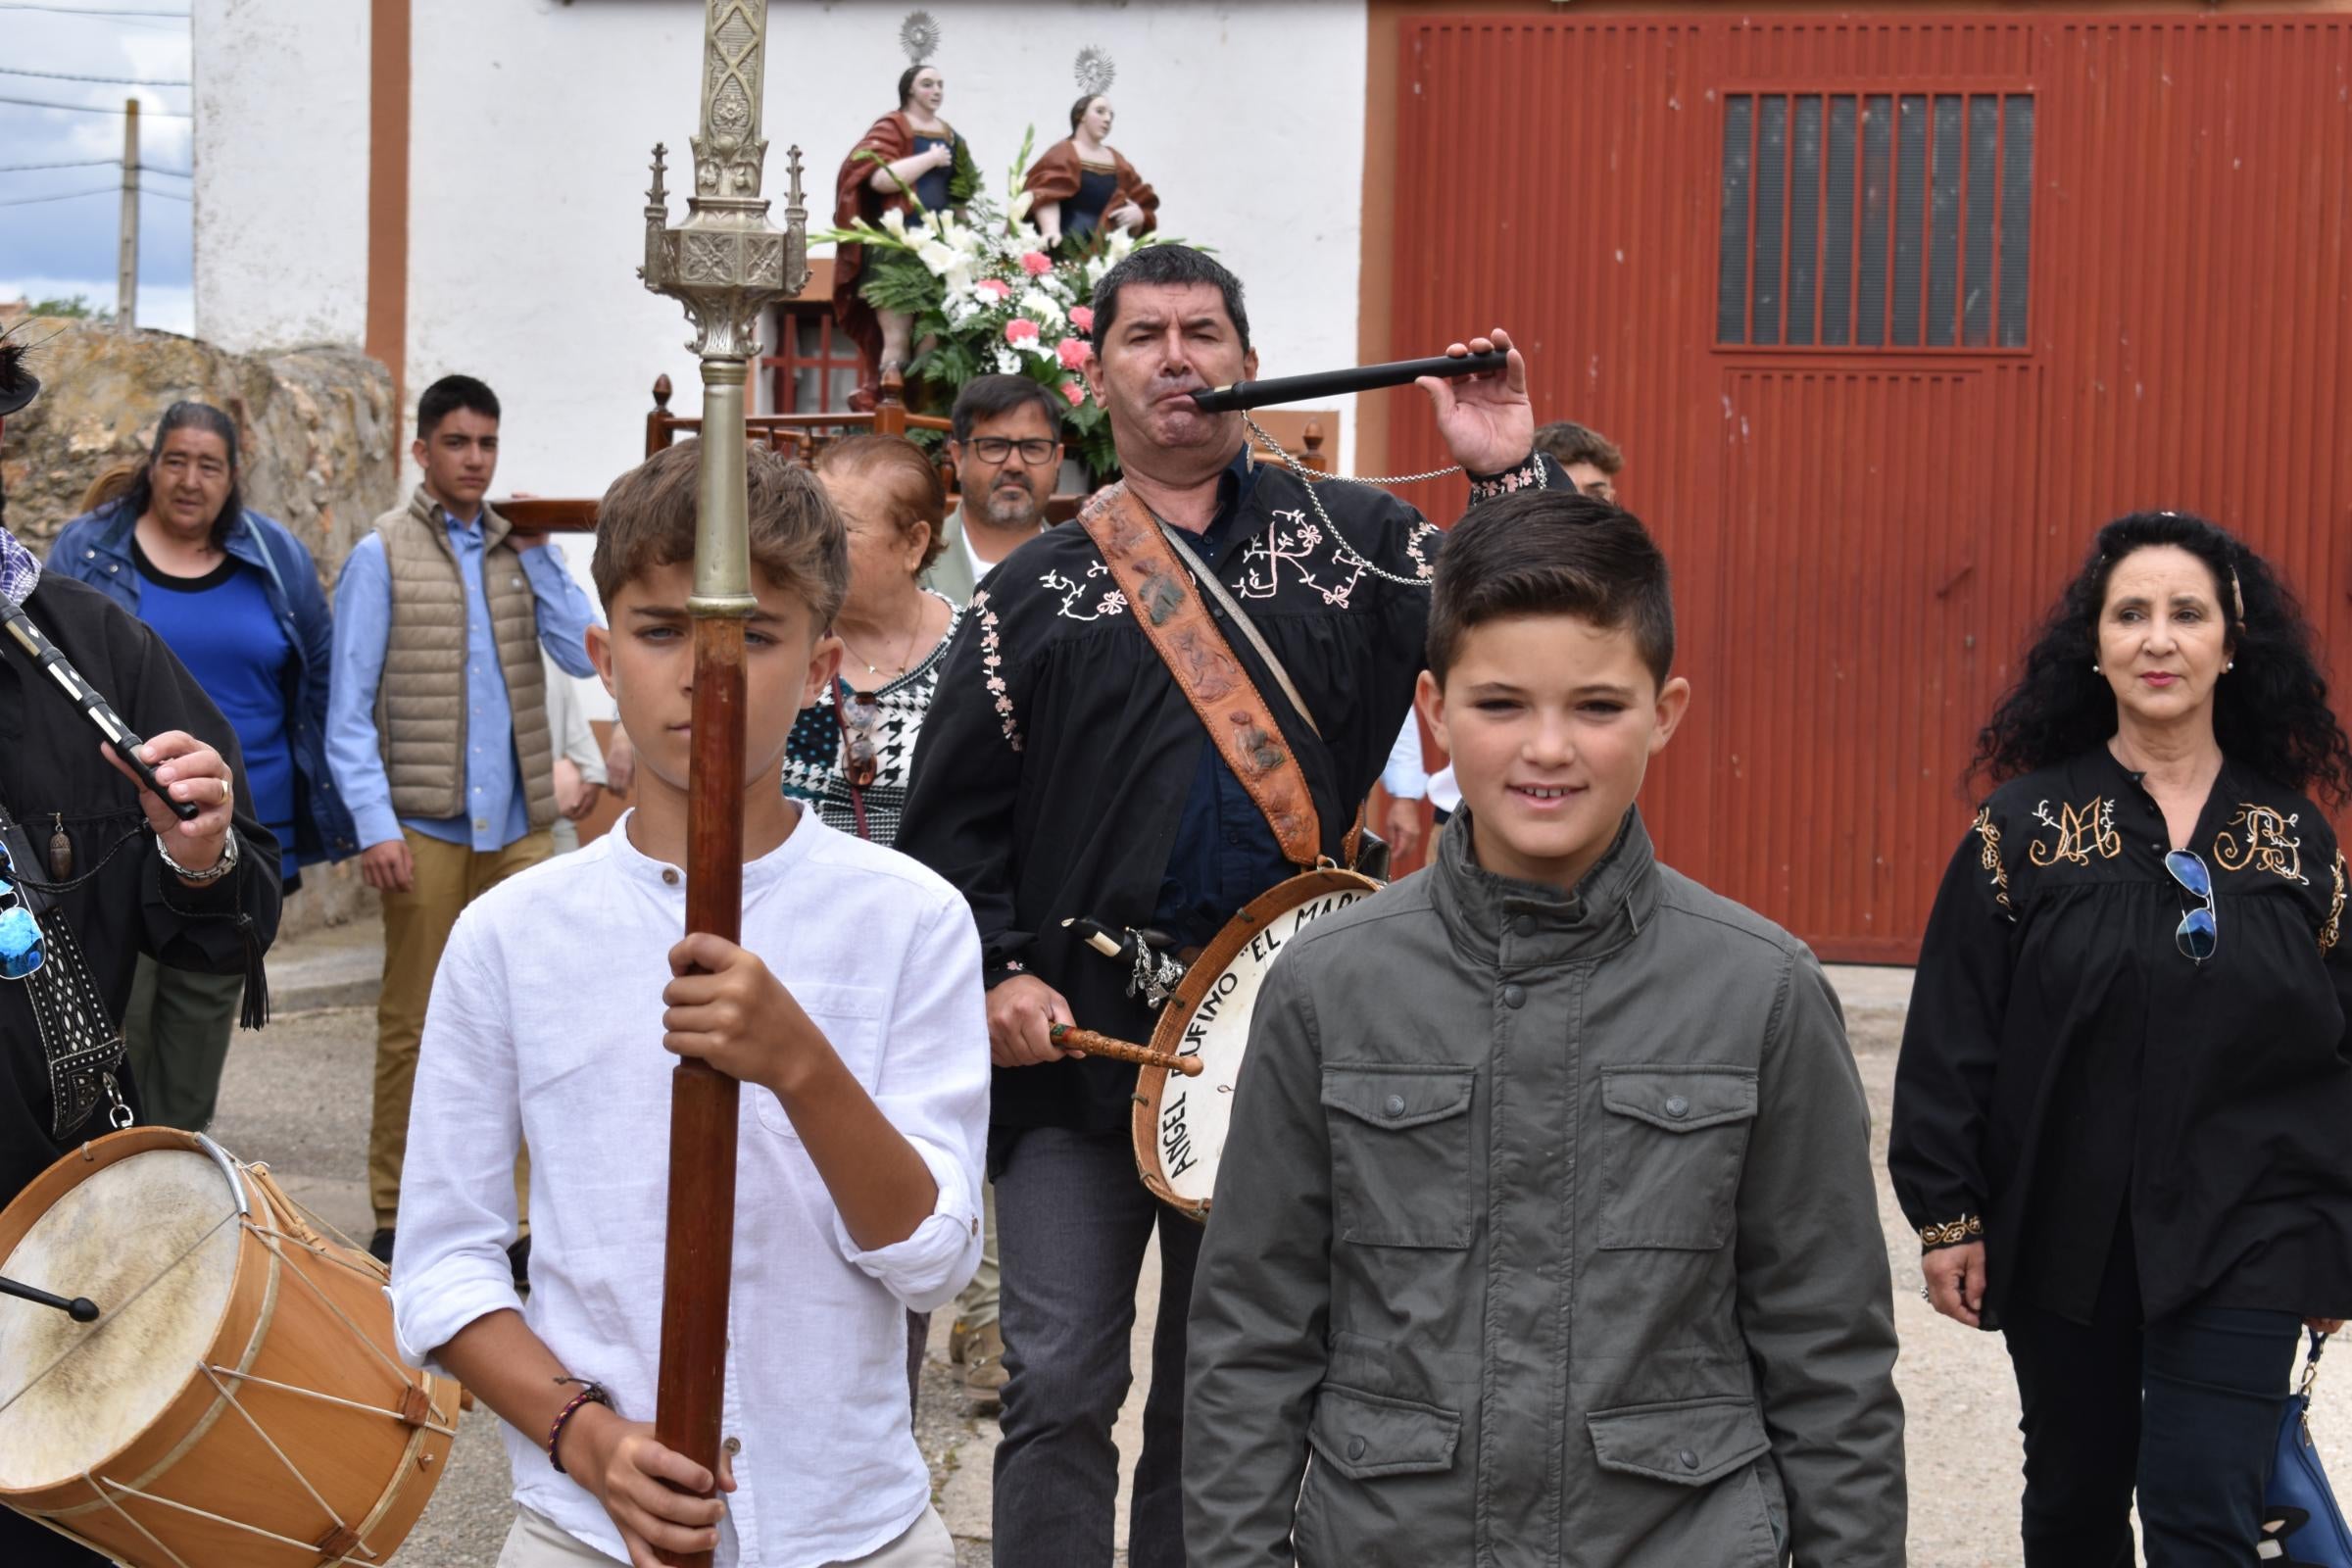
column 1021, row 205
column 1041, row 308
column 895, row 222
column 937, row 257
column 960, row 281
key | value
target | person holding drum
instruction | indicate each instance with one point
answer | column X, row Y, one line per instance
column 1546, row 1221
column 1064, row 773
column 96, row 870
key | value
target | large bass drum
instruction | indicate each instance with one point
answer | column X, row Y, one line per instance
column 237, row 1401
column 1180, row 1122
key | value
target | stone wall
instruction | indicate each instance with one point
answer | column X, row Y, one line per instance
column 318, row 436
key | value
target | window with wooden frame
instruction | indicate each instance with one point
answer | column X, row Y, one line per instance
column 1895, row 220
column 816, row 365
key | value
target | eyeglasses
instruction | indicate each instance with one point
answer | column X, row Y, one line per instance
column 861, row 715
column 2199, row 933
column 21, row 948
column 996, row 449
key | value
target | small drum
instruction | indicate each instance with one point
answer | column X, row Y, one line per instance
column 1180, row 1122
column 238, row 1399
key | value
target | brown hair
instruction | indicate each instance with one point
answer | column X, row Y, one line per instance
column 646, row 521
column 899, row 464
column 1078, row 110
column 1552, row 553
column 1566, row 442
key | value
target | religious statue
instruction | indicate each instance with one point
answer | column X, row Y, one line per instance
column 1081, row 185
column 909, row 160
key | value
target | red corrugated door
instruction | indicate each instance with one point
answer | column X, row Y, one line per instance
column 1888, row 314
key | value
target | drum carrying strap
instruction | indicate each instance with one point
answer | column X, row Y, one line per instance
column 78, row 1040
column 1166, row 604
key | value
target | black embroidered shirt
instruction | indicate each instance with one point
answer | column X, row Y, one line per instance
column 2066, row 1068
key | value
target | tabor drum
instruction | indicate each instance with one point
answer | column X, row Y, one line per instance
column 1180, row 1122
column 238, row 1400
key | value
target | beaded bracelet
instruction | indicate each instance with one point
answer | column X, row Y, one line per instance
column 590, row 1393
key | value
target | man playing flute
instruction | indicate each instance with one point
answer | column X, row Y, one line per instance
column 1063, row 771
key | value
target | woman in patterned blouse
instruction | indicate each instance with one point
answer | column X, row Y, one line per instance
column 852, row 754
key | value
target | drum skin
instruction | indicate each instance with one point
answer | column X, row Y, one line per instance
column 302, row 1312
column 1171, row 1145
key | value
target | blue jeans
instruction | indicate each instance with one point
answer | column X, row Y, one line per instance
column 1072, row 1222
column 2185, row 1407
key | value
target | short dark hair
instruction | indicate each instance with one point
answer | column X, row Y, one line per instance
column 646, row 521
column 140, row 494
column 1552, row 553
column 1566, row 442
column 917, row 494
column 1078, row 110
column 1167, row 265
column 447, row 396
column 984, row 397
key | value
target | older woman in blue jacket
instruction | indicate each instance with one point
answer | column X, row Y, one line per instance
column 236, row 597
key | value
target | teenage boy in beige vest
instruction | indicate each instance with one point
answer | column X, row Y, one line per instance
column 437, row 724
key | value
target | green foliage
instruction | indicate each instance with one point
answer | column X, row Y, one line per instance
column 963, row 175
column 77, row 308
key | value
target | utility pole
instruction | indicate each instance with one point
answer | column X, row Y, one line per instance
column 126, row 277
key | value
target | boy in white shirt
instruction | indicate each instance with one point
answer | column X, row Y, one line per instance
column 852, row 1014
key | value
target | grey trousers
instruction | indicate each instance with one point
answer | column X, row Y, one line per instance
column 177, row 1028
column 1072, row 1224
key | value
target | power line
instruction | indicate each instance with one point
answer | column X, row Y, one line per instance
column 159, row 168
column 158, row 191
column 95, row 109
column 77, row 163
column 77, row 11
column 118, row 82
column 63, row 196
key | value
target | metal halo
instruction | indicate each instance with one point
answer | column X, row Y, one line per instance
column 1096, row 70
column 918, row 35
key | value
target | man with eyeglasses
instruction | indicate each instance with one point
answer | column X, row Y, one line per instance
column 1007, row 450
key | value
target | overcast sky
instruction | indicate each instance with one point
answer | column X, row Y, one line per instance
column 67, row 247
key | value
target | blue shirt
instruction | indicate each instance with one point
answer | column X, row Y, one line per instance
column 498, row 810
column 1225, row 854
column 224, row 629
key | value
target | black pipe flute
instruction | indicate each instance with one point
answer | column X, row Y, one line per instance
column 81, row 1309
column 1332, row 383
column 94, row 708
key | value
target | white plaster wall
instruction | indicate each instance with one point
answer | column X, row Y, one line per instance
column 281, row 172
column 533, row 121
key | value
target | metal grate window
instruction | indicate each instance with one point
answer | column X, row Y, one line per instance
column 1896, row 221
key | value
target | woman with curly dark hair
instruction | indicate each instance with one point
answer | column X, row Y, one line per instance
column 2120, row 1110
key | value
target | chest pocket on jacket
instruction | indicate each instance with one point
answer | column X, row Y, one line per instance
column 1400, row 1155
column 1673, row 1141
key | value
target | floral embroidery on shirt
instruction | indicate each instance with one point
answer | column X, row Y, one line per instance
column 1415, row 544
column 2261, row 842
column 1990, row 858
column 1528, row 475
column 2335, row 908
column 1290, row 538
column 1112, row 602
column 2083, row 831
column 992, row 659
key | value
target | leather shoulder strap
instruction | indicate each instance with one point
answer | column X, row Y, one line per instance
column 1166, row 605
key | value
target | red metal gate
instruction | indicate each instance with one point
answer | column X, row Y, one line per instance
column 1888, row 314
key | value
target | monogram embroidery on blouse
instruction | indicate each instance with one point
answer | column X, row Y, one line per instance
column 2265, row 845
column 1112, row 602
column 2083, row 831
column 1290, row 539
column 1990, row 857
column 2335, row 908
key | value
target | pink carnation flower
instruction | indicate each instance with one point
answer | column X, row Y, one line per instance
column 1019, row 331
column 1074, row 392
column 1082, row 317
column 1037, row 264
column 1071, row 353
column 996, row 288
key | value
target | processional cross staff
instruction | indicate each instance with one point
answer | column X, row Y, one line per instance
column 725, row 263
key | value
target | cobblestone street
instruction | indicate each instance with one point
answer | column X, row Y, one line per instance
column 297, row 1098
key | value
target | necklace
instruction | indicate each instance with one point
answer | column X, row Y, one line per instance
column 905, row 650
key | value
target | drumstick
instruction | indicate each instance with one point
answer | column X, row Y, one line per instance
column 1070, row 1037
column 81, row 1309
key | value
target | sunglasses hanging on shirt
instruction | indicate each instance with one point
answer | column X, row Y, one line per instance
column 2199, row 934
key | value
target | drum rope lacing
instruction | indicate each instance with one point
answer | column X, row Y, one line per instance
column 109, row 1492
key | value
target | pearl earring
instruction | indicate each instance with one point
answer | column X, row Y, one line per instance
column 2094, row 666
column 2226, row 668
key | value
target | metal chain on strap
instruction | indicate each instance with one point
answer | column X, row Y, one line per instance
column 1348, row 553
